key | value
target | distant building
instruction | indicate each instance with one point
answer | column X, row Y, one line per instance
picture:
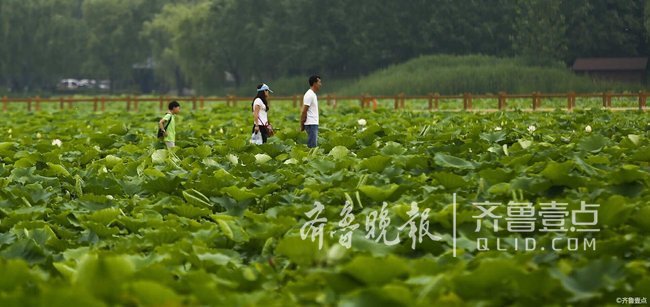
column 631, row 70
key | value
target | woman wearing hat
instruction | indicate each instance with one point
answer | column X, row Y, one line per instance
column 260, row 108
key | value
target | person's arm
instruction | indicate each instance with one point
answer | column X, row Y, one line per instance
column 161, row 125
column 256, row 114
column 303, row 117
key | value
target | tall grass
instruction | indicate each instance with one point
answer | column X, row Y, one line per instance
column 446, row 74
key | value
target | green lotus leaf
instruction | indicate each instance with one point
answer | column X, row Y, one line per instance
column 453, row 162
column 379, row 193
column 365, row 269
column 239, row 194
column 339, row 152
column 593, row 143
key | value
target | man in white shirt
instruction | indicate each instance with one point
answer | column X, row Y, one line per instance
column 309, row 116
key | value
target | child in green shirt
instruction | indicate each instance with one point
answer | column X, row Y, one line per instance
column 170, row 132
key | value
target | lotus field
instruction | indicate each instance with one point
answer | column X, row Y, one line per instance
column 395, row 208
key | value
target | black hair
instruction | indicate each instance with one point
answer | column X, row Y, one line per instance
column 313, row 79
column 173, row 104
column 260, row 95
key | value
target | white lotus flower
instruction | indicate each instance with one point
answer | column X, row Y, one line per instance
column 532, row 128
column 38, row 135
column 9, row 131
column 57, row 142
column 233, row 159
column 588, row 129
column 361, row 122
column 291, row 161
column 262, row 158
column 497, row 129
column 110, row 197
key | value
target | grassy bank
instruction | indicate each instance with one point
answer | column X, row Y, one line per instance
column 448, row 74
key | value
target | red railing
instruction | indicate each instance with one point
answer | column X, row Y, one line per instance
column 365, row 101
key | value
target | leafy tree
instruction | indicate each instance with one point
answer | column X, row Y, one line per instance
column 163, row 35
column 114, row 39
column 41, row 41
column 540, row 31
column 605, row 28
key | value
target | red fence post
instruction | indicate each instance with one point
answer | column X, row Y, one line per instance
column 571, row 100
column 38, row 103
column 103, row 99
column 396, row 102
column 95, row 100
column 135, row 103
column 201, row 102
column 5, row 103
column 430, row 101
column 193, row 102
column 465, row 101
column 29, row 104
column 642, row 100
column 436, row 99
column 534, row 101
column 501, row 101
column 609, row 99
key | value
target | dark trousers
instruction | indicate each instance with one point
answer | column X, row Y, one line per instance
column 263, row 131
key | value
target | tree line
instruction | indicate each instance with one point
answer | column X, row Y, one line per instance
column 209, row 45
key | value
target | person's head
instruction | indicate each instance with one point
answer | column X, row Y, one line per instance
column 263, row 91
column 315, row 83
column 174, row 107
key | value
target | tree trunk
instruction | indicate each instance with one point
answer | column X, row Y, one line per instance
column 237, row 76
column 180, row 81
